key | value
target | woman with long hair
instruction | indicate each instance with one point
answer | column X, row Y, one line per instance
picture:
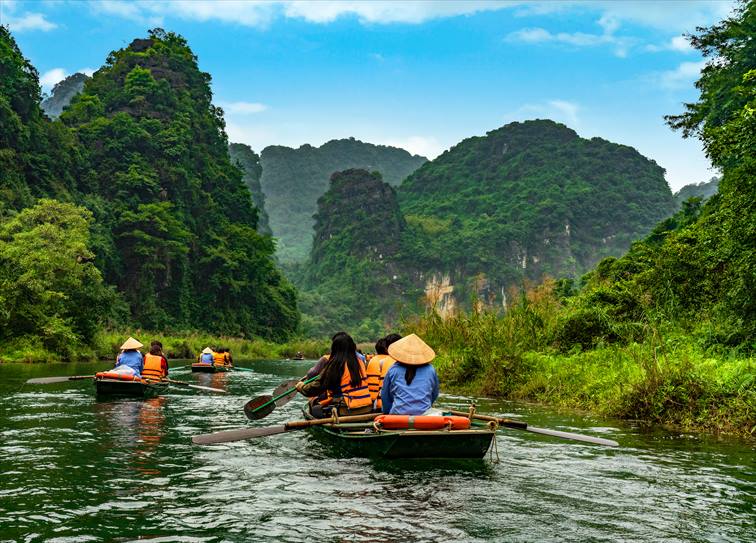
column 411, row 385
column 343, row 381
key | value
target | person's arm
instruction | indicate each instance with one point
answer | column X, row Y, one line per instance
column 317, row 368
column 435, row 385
column 386, row 398
column 164, row 366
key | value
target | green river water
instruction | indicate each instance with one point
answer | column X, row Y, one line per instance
column 76, row 469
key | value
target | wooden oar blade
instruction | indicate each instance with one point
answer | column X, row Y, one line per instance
column 282, row 388
column 50, row 380
column 574, row 437
column 260, row 407
column 241, row 434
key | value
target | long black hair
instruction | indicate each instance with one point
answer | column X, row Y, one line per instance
column 343, row 352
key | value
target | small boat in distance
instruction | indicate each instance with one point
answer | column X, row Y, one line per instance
column 199, row 367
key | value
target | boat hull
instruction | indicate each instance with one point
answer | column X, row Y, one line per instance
column 473, row 443
column 209, row 368
column 127, row 389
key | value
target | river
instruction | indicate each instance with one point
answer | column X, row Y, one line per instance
column 76, row 469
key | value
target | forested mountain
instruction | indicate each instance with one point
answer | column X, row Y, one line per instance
column 62, row 94
column 36, row 156
column 703, row 190
column 170, row 223
column 354, row 279
column 249, row 161
column 525, row 201
column 294, row 179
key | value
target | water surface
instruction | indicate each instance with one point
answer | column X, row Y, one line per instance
column 76, row 469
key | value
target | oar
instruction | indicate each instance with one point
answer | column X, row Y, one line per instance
column 237, row 368
column 262, row 406
column 197, row 387
column 249, row 433
column 520, row 425
column 50, row 380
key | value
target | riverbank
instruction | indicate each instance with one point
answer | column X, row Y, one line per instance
column 176, row 345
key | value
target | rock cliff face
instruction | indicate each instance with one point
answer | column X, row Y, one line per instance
column 701, row 190
column 294, row 179
column 62, row 94
column 249, row 161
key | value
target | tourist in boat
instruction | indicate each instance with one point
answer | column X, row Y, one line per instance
column 227, row 358
column 206, row 356
column 130, row 361
column 155, row 364
column 342, row 383
column 377, row 368
column 411, row 385
column 219, row 357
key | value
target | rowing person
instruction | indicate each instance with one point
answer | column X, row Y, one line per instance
column 342, row 384
column 377, row 368
column 130, row 361
column 219, row 357
column 411, row 384
column 155, row 363
column 206, row 356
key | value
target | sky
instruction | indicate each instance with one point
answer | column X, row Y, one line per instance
column 418, row 75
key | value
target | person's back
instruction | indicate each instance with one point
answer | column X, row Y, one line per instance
column 219, row 358
column 155, row 363
column 400, row 398
column 376, row 373
column 411, row 385
column 131, row 359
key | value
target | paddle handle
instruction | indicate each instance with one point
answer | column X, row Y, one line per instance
column 509, row 423
column 275, row 398
column 292, row 425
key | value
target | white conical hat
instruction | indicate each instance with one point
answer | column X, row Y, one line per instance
column 207, row 350
column 411, row 350
column 131, row 343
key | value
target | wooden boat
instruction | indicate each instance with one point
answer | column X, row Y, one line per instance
column 209, row 368
column 105, row 387
column 363, row 440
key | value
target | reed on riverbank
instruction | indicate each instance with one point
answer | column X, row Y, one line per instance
column 657, row 375
column 175, row 344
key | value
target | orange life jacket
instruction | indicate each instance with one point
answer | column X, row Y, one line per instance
column 219, row 359
column 354, row 397
column 153, row 367
column 376, row 371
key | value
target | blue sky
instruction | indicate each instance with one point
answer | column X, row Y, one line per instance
column 419, row 75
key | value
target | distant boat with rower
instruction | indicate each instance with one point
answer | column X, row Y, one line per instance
column 213, row 361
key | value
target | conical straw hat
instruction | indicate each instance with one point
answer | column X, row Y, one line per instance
column 207, row 350
column 131, row 343
column 411, row 350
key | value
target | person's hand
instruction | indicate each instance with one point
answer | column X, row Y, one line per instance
column 299, row 386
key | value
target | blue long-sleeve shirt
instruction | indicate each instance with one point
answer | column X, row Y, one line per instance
column 399, row 398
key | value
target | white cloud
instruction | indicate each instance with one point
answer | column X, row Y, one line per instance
column 428, row 147
column 575, row 39
column 51, row 77
column 679, row 44
column 682, row 76
column 558, row 110
column 25, row 21
column 243, row 108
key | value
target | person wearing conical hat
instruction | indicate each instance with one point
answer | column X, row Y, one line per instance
column 130, row 361
column 206, row 356
column 411, row 384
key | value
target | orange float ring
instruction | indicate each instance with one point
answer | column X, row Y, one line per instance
column 422, row 422
column 118, row 376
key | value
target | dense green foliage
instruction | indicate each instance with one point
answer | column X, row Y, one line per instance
column 249, row 162
column 62, row 94
column 169, row 220
column 527, row 200
column 353, row 280
column 702, row 190
column 294, row 179
column 666, row 332
column 177, row 225
column 36, row 157
column 51, row 293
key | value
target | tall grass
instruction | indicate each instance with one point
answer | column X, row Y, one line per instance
column 653, row 373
